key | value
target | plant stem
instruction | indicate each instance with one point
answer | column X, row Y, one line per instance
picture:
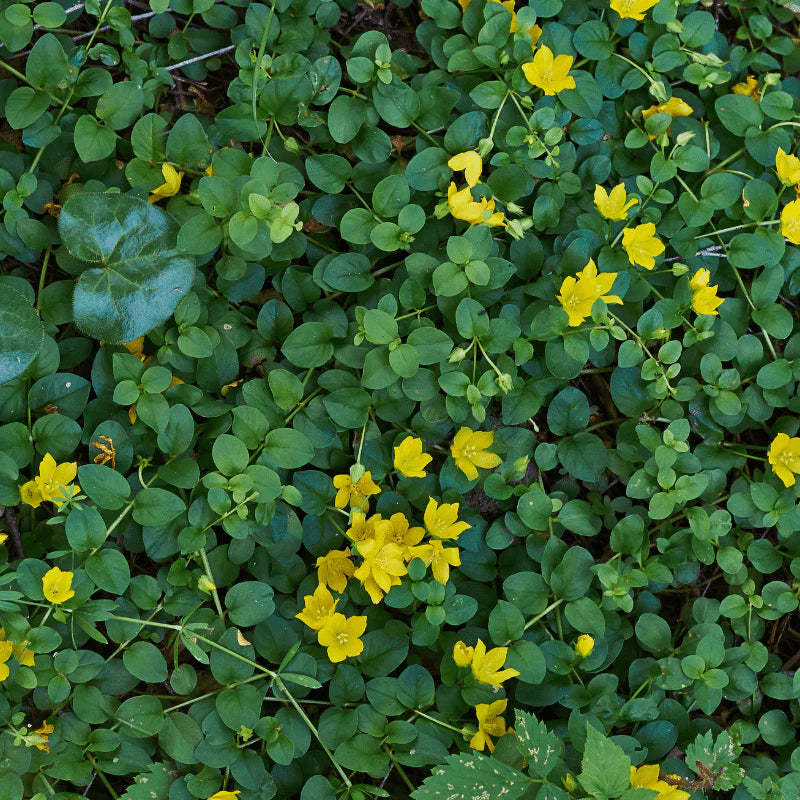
column 210, row 576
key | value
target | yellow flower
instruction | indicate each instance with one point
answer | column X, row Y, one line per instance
column 642, row 245
column 487, row 667
column 788, row 167
column 704, row 297
column 462, row 206
column 647, row 777
column 398, row 531
column 354, row 494
column 409, row 460
column 44, row 731
column 462, row 654
column 675, row 107
column 334, row 569
column 171, row 185
column 434, row 554
column 613, row 206
column 5, row 654
column 19, row 651
column 579, row 294
column 790, row 221
column 319, row 608
column 342, row 637
column 3, row 537
column 54, row 480
column 490, row 723
column 57, row 585
column 382, row 568
column 584, row 645
column 472, row 165
column 223, row 795
column 748, row 88
column 30, row 494
column 632, row 9
column 784, row 456
column 363, row 527
column 549, row 73
column 135, row 347
column 442, row 520
column 469, row 451
column 210, row 171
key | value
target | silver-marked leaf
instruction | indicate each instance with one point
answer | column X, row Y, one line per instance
column 537, row 745
column 136, row 277
column 21, row 334
column 471, row 777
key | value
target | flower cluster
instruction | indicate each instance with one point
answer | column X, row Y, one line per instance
column 54, row 483
column 386, row 546
column 461, row 203
column 486, row 665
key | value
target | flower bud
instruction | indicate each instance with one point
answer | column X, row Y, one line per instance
column 584, row 645
column 659, row 91
column 462, row 654
column 205, row 584
column 457, row 356
column 504, row 382
column 521, row 464
column 516, row 230
column 684, row 138
column 291, row 144
column 357, row 472
column 679, row 269
column 484, row 147
column 570, row 783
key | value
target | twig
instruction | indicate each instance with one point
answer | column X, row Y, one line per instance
column 13, row 529
column 134, row 18
column 220, row 52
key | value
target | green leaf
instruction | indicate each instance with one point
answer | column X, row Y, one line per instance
column 309, row 345
column 458, row 778
column 541, row 748
column 605, row 767
column 249, row 603
column 144, row 661
column 21, row 334
column 136, row 278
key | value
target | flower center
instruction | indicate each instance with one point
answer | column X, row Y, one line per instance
column 342, row 638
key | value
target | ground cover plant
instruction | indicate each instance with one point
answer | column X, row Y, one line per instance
column 399, row 400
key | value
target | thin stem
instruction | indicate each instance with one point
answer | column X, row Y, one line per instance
column 210, row 576
column 42, row 276
column 400, row 771
column 304, row 717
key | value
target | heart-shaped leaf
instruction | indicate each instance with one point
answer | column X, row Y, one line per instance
column 138, row 276
column 21, row 334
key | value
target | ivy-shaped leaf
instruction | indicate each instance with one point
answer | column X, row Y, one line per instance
column 473, row 777
column 154, row 783
column 21, row 334
column 137, row 275
column 537, row 745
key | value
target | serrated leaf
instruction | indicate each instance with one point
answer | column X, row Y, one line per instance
column 605, row 767
column 153, row 783
column 473, row 778
column 137, row 276
column 21, row 334
column 537, row 745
